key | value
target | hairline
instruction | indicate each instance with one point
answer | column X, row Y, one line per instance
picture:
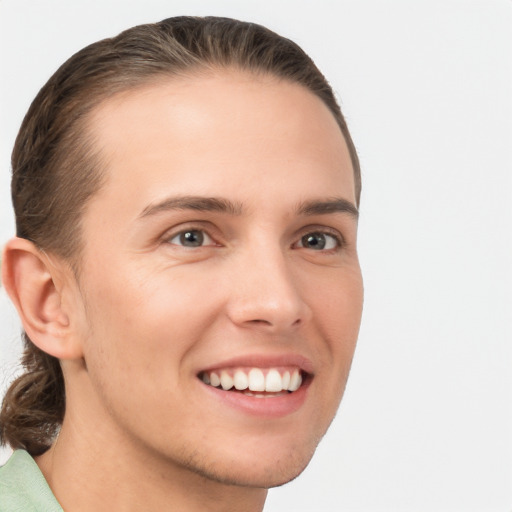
column 85, row 125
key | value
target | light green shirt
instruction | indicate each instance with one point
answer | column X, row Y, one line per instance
column 23, row 487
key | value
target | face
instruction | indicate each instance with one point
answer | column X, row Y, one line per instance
column 220, row 281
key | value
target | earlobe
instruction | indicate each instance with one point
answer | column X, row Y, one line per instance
column 35, row 286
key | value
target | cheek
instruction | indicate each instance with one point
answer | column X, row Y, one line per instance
column 147, row 321
column 337, row 303
column 140, row 334
column 337, row 317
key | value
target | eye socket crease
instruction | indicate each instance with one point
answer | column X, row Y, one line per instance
column 194, row 236
column 325, row 241
column 206, row 204
column 318, row 239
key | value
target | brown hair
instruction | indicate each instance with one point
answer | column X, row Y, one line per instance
column 55, row 169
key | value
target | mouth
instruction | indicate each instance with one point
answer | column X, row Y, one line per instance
column 256, row 382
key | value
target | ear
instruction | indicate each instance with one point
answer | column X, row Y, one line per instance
column 36, row 284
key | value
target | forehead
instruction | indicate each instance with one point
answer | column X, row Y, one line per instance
column 198, row 134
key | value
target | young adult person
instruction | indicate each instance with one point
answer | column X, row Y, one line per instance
column 185, row 269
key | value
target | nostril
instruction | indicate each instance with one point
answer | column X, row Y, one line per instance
column 269, row 323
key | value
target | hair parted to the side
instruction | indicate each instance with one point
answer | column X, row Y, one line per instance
column 55, row 168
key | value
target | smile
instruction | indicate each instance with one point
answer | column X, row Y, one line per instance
column 257, row 382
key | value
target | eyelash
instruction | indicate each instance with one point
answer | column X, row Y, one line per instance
column 185, row 232
column 337, row 240
column 338, row 243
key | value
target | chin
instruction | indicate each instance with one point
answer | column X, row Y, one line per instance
column 260, row 473
column 264, row 478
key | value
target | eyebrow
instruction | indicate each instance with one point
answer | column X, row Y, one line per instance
column 325, row 207
column 222, row 205
column 197, row 203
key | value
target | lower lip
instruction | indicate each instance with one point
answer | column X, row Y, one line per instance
column 266, row 407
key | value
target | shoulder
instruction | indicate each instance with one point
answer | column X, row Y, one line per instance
column 23, row 486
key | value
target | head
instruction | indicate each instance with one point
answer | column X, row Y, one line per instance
column 196, row 143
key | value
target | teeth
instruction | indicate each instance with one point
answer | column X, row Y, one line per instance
column 286, row 380
column 273, row 382
column 295, row 381
column 257, row 395
column 214, row 380
column 240, row 380
column 262, row 395
column 256, row 380
column 226, row 381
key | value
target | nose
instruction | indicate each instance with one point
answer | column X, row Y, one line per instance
column 265, row 293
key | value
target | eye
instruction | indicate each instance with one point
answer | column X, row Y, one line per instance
column 319, row 241
column 192, row 238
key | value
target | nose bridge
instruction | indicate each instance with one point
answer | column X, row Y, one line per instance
column 264, row 291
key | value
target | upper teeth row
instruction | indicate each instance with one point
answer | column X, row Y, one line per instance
column 255, row 380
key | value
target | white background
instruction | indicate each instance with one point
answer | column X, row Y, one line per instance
column 426, row 86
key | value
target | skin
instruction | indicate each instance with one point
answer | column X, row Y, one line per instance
column 147, row 314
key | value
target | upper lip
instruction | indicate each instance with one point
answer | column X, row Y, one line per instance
column 263, row 361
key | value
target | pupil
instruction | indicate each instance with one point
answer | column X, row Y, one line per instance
column 192, row 238
column 314, row 241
